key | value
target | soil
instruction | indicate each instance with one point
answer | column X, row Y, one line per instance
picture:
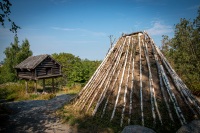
column 34, row 116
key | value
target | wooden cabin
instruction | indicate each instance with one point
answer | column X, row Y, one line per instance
column 39, row 67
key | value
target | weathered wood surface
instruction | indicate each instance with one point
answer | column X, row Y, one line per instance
column 36, row 67
column 135, row 84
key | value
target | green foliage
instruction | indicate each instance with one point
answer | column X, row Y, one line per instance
column 76, row 72
column 16, row 92
column 183, row 51
column 14, row 55
column 74, row 69
column 5, row 13
column 11, row 91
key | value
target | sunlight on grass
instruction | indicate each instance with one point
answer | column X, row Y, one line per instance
column 84, row 122
column 71, row 90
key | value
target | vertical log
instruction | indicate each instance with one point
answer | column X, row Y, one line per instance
column 141, row 97
column 53, row 89
column 150, row 84
column 177, row 83
column 35, row 84
column 26, row 83
column 112, row 88
column 126, row 86
column 131, row 97
column 107, row 83
column 172, row 97
column 43, row 85
column 120, row 85
column 161, row 82
column 153, row 97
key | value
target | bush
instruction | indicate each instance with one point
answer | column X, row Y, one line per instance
column 11, row 91
column 16, row 92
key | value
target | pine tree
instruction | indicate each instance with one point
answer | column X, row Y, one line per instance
column 15, row 54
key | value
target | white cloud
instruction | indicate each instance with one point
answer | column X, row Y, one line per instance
column 64, row 29
column 159, row 29
column 81, row 30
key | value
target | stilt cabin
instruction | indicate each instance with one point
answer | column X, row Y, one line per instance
column 38, row 67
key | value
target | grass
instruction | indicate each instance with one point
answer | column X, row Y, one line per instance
column 16, row 91
column 84, row 122
column 72, row 90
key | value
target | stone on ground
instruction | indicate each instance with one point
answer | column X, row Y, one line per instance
column 137, row 129
column 192, row 127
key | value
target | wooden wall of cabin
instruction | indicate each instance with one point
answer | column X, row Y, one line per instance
column 47, row 67
column 25, row 73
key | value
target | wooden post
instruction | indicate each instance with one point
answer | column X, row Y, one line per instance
column 53, row 84
column 26, row 83
column 43, row 85
column 35, row 84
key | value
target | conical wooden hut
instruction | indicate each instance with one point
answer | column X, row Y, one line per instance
column 135, row 84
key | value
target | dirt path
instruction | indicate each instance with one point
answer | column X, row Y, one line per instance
column 37, row 116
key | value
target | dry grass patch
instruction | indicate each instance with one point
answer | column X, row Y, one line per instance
column 84, row 122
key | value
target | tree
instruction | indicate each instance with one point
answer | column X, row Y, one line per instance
column 14, row 55
column 74, row 69
column 69, row 63
column 183, row 51
column 4, row 15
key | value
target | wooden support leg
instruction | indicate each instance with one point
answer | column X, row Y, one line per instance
column 53, row 84
column 35, row 84
column 43, row 85
column 26, row 83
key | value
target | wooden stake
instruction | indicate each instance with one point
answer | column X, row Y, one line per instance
column 131, row 97
column 116, row 63
column 141, row 97
column 53, row 85
column 161, row 82
column 43, row 85
column 35, row 84
column 126, row 86
column 26, row 83
column 120, row 86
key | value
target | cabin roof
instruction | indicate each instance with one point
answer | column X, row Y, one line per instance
column 32, row 61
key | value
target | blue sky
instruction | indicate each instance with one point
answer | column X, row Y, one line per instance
column 82, row 27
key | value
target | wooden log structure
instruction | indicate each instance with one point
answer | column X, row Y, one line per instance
column 38, row 67
column 135, row 84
